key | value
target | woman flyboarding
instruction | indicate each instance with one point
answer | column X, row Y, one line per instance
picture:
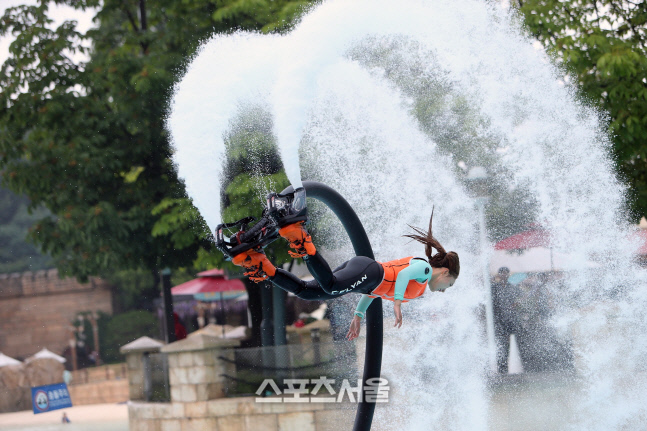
column 398, row 280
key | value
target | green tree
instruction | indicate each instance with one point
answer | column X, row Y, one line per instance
column 447, row 117
column 121, row 329
column 16, row 253
column 86, row 139
column 252, row 168
column 603, row 47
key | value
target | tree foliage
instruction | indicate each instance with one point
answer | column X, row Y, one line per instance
column 121, row 329
column 252, row 169
column 603, row 46
column 85, row 138
column 16, row 254
column 446, row 116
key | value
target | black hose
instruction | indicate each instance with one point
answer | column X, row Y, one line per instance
column 374, row 323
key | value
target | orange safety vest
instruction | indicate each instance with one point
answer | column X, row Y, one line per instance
column 386, row 289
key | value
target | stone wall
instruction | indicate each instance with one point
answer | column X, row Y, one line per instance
column 100, row 374
column 197, row 381
column 37, row 309
column 110, row 391
column 240, row 414
column 197, row 375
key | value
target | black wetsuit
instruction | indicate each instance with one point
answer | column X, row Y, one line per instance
column 359, row 275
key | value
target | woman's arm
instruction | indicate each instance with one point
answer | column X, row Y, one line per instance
column 362, row 306
column 360, row 312
column 418, row 269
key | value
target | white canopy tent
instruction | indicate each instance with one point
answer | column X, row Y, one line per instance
column 6, row 360
column 44, row 353
column 537, row 259
column 532, row 251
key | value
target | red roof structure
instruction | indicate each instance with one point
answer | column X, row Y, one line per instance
column 210, row 281
column 537, row 237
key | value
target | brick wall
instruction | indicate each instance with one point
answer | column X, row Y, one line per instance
column 36, row 309
column 110, row 391
column 240, row 414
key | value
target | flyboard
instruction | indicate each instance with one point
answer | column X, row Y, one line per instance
column 265, row 231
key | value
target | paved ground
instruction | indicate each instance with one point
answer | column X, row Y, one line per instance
column 96, row 417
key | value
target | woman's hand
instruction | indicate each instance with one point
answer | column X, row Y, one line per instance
column 353, row 332
column 398, row 313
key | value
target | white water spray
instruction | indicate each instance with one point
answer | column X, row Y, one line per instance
column 381, row 100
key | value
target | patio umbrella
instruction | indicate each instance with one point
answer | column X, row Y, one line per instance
column 534, row 237
column 209, row 282
column 531, row 251
column 527, row 251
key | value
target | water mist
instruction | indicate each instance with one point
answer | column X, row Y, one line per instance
column 385, row 101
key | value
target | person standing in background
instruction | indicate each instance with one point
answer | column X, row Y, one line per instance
column 180, row 330
column 506, row 319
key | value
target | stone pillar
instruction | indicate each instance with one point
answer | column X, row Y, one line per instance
column 195, row 372
column 136, row 353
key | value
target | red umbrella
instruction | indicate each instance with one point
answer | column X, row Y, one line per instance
column 531, row 251
column 213, row 280
column 527, row 251
column 536, row 237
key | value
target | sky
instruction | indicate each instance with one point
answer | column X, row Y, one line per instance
column 57, row 13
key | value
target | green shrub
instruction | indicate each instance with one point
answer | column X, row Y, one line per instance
column 123, row 328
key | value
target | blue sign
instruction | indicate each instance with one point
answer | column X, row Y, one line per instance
column 50, row 397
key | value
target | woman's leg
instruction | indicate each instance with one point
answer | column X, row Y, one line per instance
column 359, row 275
column 308, row 290
column 259, row 268
column 320, row 270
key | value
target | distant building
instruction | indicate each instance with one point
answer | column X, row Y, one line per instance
column 38, row 308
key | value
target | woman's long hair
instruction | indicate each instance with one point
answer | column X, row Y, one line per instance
column 441, row 259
